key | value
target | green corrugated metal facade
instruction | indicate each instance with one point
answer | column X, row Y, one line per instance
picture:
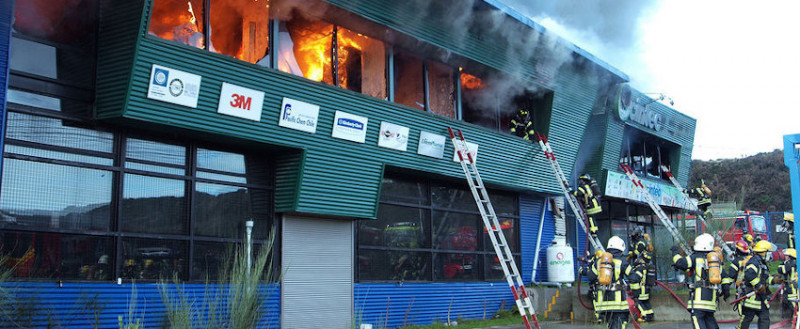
column 318, row 174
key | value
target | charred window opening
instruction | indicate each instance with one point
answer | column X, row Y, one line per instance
column 409, row 89
column 178, row 20
column 332, row 54
column 645, row 153
column 492, row 102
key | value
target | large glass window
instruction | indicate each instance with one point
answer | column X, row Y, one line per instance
column 71, row 193
column 645, row 153
column 428, row 231
column 58, row 21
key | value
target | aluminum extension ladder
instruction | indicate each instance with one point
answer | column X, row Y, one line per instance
column 637, row 183
column 493, row 228
column 693, row 205
column 580, row 215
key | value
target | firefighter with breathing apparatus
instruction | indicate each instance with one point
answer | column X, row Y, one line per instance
column 593, row 284
column 704, row 275
column 756, row 287
column 642, row 279
column 522, row 124
column 588, row 193
column 610, row 272
column 788, row 271
column 703, row 195
column 734, row 273
column 638, row 245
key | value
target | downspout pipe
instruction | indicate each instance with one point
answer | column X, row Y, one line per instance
column 538, row 245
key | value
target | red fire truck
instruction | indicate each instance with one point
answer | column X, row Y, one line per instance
column 746, row 222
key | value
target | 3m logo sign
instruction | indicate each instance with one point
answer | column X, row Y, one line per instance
column 240, row 102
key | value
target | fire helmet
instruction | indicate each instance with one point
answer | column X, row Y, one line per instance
column 789, row 217
column 748, row 238
column 637, row 233
column 790, row 252
column 762, row 246
column 743, row 247
column 585, row 177
column 704, row 242
column 616, row 243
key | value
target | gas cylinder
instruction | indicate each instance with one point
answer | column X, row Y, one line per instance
column 605, row 269
column 714, row 267
column 649, row 242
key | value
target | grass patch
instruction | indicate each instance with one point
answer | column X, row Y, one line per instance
column 501, row 318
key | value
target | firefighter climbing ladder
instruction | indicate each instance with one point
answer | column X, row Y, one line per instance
column 693, row 204
column 501, row 247
column 564, row 183
column 637, row 183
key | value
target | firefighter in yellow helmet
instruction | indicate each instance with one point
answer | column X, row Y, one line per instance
column 750, row 240
column 522, row 124
column 734, row 274
column 588, row 193
column 702, row 286
column 788, row 271
column 756, row 283
column 610, row 273
column 703, row 195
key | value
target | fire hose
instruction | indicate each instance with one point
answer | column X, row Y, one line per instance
column 684, row 304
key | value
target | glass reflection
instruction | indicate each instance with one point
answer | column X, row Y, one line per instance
column 151, row 259
column 54, row 255
column 155, row 151
column 153, row 205
column 56, row 132
column 55, row 196
column 209, row 258
column 221, row 210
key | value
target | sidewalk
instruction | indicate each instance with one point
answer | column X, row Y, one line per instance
column 653, row 325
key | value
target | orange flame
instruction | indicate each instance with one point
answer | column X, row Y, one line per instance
column 470, row 81
column 315, row 52
column 192, row 20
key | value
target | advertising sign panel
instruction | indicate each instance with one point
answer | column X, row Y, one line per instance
column 174, row 86
column 350, row 127
column 298, row 115
column 431, row 145
column 393, row 136
column 240, row 102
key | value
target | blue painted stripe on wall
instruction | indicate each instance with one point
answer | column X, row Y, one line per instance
column 391, row 305
column 530, row 211
column 74, row 304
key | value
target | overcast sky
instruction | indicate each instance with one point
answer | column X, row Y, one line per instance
column 732, row 65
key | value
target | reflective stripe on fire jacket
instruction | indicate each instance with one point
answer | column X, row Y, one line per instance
column 703, row 295
column 612, row 297
column 788, row 270
column 756, row 274
column 585, row 195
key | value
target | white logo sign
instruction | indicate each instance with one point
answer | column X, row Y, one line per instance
column 298, row 115
column 240, row 102
column 350, row 127
column 431, row 145
column 472, row 148
column 174, row 86
column 393, row 136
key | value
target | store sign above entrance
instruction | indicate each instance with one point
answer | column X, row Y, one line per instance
column 174, row 86
column 240, row 102
column 298, row 115
column 431, row 145
column 629, row 109
column 350, row 127
column 618, row 185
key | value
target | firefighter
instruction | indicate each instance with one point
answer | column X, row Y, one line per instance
column 641, row 286
column 734, row 274
column 703, row 195
column 522, row 124
column 788, row 271
column 588, row 193
column 701, row 281
column 788, row 227
column 593, row 285
column 610, row 272
column 638, row 245
column 757, row 281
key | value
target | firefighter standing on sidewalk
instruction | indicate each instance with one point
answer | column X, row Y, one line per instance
column 588, row 193
column 640, row 287
column 593, row 284
column 757, row 280
column 788, row 271
column 522, row 124
column 703, row 281
column 610, row 272
column 734, row 274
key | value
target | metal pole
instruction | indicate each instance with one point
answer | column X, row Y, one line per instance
column 539, row 239
column 249, row 225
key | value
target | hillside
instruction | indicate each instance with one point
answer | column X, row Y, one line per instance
column 759, row 182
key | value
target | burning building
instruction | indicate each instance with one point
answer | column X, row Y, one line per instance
column 143, row 137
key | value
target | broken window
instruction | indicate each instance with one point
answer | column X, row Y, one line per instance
column 409, row 89
column 178, row 20
column 441, row 89
column 240, row 29
column 308, row 47
column 645, row 153
column 492, row 102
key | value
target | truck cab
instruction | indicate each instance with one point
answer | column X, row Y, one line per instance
column 749, row 222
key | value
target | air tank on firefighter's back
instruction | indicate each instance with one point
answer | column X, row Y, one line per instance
column 560, row 263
